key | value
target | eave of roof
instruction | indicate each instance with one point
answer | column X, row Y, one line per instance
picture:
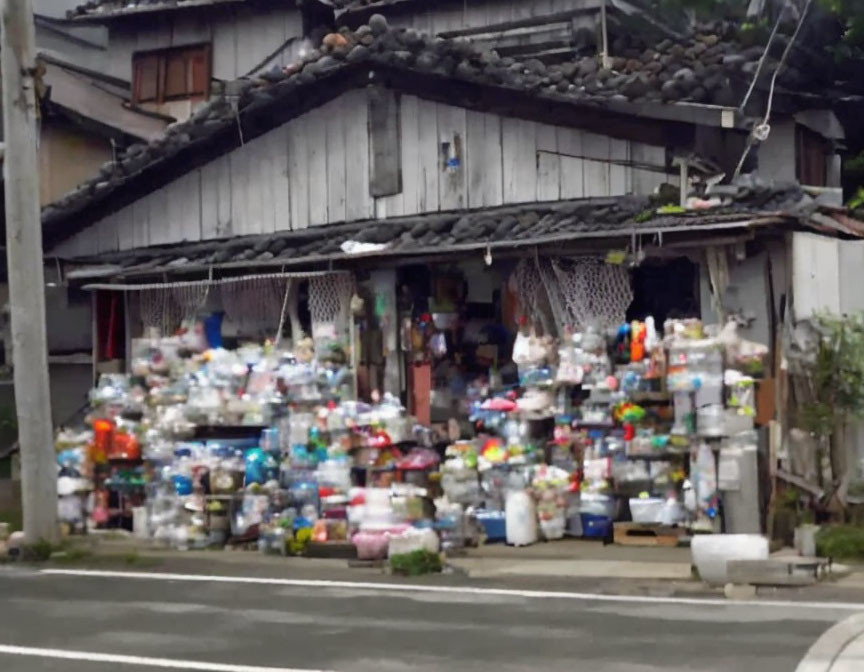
column 97, row 11
column 557, row 224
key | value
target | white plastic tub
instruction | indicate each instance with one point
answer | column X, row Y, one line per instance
column 711, row 553
column 647, row 510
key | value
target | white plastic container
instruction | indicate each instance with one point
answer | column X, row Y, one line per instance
column 413, row 540
column 711, row 553
column 647, row 510
column 520, row 518
column 597, row 505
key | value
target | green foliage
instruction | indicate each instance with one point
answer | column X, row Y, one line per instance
column 857, row 201
column 39, row 552
column 850, row 13
column 13, row 517
column 836, row 372
column 707, row 9
column 843, row 542
column 645, row 216
column 416, row 563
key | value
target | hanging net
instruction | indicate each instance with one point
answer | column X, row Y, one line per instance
column 579, row 292
column 329, row 300
column 258, row 304
column 593, row 292
column 159, row 310
column 531, row 292
column 255, row 305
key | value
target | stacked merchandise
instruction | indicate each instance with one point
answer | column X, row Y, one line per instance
column 203, row 447
column 636, row 416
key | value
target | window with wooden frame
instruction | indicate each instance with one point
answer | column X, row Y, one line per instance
column 180, row 73
column 811, row 157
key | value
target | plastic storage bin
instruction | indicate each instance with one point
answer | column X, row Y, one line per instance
column 494, row 525
column 647, row 510
column 596, row 527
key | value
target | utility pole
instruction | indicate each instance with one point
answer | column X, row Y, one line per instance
column 26, row 272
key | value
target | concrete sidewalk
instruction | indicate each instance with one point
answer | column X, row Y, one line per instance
column 572, row 558
column 840, row 649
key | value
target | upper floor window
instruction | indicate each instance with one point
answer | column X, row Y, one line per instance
column 180, row 73
column 811, row 157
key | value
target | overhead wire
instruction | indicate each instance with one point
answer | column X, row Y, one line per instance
column 761, row 131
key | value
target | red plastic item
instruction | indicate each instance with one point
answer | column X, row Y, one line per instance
column 124, row 446
column 103, row 434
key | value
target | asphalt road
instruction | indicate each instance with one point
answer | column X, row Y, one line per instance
column 364, row 628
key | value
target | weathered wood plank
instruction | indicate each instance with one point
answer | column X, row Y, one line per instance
column 175, row 197
column 572, row 167
column 385, row 171
column 298, row 173
column 493, row 186
column 358, row 200
column 210, row 200
column 475, row 139
column 88, row 241
column 259, row 204
column 159, row 223
column 225, row 53
column 126, row 228
column 620, row 174
column 141, row 224
column 410, row 141
column 452, row 186
column 280, row 185
column 646, row 181
column 334, row 116
column 484, row 158
column 520, row 163
column 316, row 138
column 239, row 160
column 428, row 155
column 548, row 164
column 190, row 217
column 106, row 234
column 596, row 176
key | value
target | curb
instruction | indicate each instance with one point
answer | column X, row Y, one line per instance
column 830, row 646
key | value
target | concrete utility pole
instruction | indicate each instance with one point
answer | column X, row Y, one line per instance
column 26, row 273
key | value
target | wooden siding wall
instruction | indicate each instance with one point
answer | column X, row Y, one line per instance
column 241, row 38
column 482, row 13
column 315, row 170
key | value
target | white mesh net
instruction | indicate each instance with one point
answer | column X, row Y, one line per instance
column 254, row 305
column 330, row 299
column 594, row 292
column 258, row 305
column 531, row 291
column 580, row 292
column 159, row 310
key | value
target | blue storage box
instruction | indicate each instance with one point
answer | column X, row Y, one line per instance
column 596, row 527
column 494, row 525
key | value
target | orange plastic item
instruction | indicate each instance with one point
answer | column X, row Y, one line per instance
column 637, row 341
column 319, row 531
column 124, row 446
column 103, row 435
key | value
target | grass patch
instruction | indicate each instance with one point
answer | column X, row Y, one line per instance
column 843, row 542
column 416, row 563
column 13, row 517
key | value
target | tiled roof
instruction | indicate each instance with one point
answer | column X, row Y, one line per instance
column 114, row 8
column 701, row 70
column 509, row 227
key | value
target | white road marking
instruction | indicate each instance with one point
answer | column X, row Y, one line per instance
column 163, row 663
column 454, row 590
